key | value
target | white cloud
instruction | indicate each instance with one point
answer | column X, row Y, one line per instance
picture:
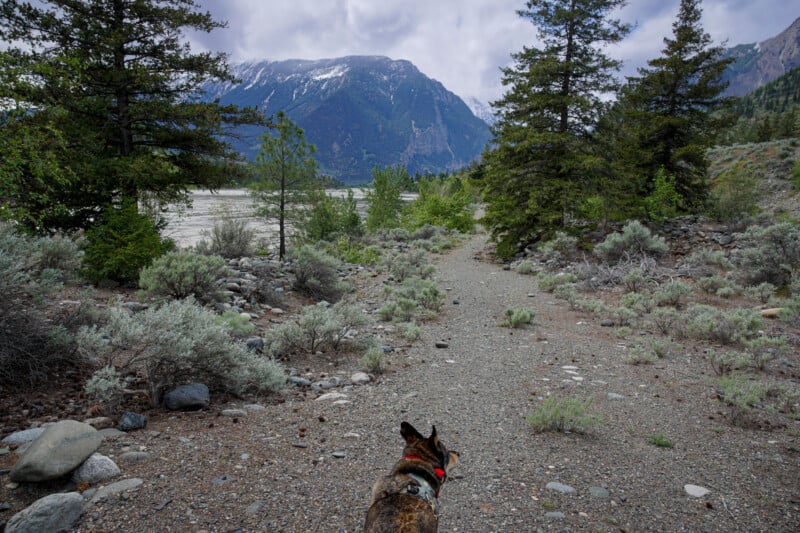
column 461, row 43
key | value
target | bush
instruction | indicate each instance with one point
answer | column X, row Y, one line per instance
column 770, row 254
column 639, row 356
column 716, row 284
column 671, row 293
column 641, row 304
column 230, row 238
column 372, row 361
column 106, row 387
column 331, row 217
column 660, row 440
column 60, row 256
column 180, row 275
column 565, row 415
column 635, row 240
column 559, row 249
column 441, row 202
column 415, row 298
column 31, row 345
column 549, row 282
column 519, row 317
column 637, row 280
column 726, row 362
column 761, row 292
column 705, row 258
column 239, row 326
column 735, row 195
column 524, row 267
column 410, row 331
column 383, row 200
column 180, row 342
column 666, row 320
column 726, row 327
column 121, row 244
column 316, row 274
column 764, row 349
column 408, row 264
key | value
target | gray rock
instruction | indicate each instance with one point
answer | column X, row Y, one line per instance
column 339, row 454
column 441, row 344
column 21, row 437
column 254, row 407
column 360, row 378
column 234, row 412
column 132, row 421
column 255, row 344
column 59, row 450
column 116, row 488
column 111, row 433
column 97, row 468
column 598, row 492
column 133, row 457
column 607, row 323
column 615, row 396
column 555, row 515
column 222, row 480
column 300, row 382
column 695, row 491
column 254, row 508
column 56, row 512
column 332, row 396
column 187, row 397
column 560, row 487
column 100, row 422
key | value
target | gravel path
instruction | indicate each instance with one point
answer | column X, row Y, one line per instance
column 309, row 465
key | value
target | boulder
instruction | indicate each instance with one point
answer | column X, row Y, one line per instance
column 187, row 397
column 24, row 436
column 56, row 512
column 59, row 450
column 96, row 469
column 131, row 421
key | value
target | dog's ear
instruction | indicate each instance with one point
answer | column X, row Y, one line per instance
column 409, row 433
column 433, row 440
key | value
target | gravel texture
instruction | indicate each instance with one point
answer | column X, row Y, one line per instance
column 302, row 464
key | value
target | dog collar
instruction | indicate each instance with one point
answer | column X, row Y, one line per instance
column 422, row 490
column 440, row 473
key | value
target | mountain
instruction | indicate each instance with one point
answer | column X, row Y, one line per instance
column 359, row 111
column 482, row 110
column 757, row 64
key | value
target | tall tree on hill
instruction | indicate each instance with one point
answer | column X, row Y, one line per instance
column 122, row 78
column 286, row 177
column 667, row 109
column 540, row 164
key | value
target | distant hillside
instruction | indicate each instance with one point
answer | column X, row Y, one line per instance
column 360, row 111
column 756, row 65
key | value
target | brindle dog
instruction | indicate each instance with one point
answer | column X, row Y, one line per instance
column 406, row 500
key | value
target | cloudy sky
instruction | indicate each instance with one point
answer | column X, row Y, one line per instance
column 461, row 43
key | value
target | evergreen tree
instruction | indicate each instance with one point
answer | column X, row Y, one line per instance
column 286, row 176
column 540, row 165
column 668, row 108
column 124, row 78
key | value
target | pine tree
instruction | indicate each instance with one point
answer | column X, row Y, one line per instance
column 540, row 165
column 286, row 176
column 668, row 108
column 125, row 79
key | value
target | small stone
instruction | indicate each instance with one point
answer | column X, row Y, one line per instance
column 254, row 508
column 222, row 480
column 298, row 381
column 559, row 487
column 360, row 378
column 300, row 445
column 100, row 422
column 4, row 451
column 116, row 488
column 558, row 515
column 598, row 492
column 133, row 457
column 131, row 421
column 351, row 436
column 455, row 301
column 339, row 454
column 56, row 512
column 441, row 344
column 234, row 412
column 607, row 323
column 615, row 396
column 695, row 491
column 97, row 468
column 254, row 407
column 331, row 396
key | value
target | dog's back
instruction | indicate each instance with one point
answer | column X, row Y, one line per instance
column 405, row 501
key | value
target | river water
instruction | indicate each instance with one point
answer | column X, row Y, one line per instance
column 187, row 226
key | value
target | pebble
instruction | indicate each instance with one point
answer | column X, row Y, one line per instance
column 598, row 492
column 695, row 491
column 560, row 487
column 615, row 396
column 234, row 412
column 555, row 514
column 331, row 396
column 339, row 454
column 441, row 344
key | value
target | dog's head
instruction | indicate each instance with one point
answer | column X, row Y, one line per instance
column 430, row 450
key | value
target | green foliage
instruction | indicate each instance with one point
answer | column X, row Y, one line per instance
column 319, row 327
column 355, row 252
column 182, row 274
column 715, row 284
column 637, row 280
column 666, row 320
column 769, row 254
column 32, row 344
column 726, row 362
column 541, row 164
column 107, row 387
column 640, row 356
column 103, row 91
column 549, row 282
column 230, row 238
column 286, row 177
column 664, row 202
column 410, row 331
column 725, row 327
column 559, row 249
column 121, row 244
column 404, row 264
column 565, row 415
column 761, row 292
column 415, row 298
column 660, row 440
column 741, row 393
column 383, row 199
column 640, row 304
column 636, row 240
column 671, row 293
column 238, row 325
column 764, row 349
column 441, row 202
column 316, row 274
column 735, row 194
column 524, row 267
column 518, row 317
column 332, row 217
column 372, row 361
column 177, row 343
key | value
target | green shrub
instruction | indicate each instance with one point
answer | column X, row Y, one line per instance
column 410, row 331
column 769, row 254
column 671, row 293
column 761, row 292
column 660, row 440
column 441, row 202
column 331, row 217
column 106, row 387
column 706, row 257
column 180, row 342
column 59, row 256
column 238, row 325
column 726, row 362
column 519, row 316
column 764, row 349
column 372, row 361
column 355, row 252
column 230, row 238
column 735, row 196
column 622, row 316
column 559, row 249
column 408, row 264
column 414, row 298
column 639, row 355
column 567, row 415
column 637, row 280
column 317, row 326
column 316, row 274
column 179, row 275
column 640, row 304
column 635, row 240
column 726, row 327
column 121, row 244
column 718, row 285
column 742, row 393
column 665, row 201
column 383, row 199
column 345, row 318
column 666, row 320
column 524, row 267
column 548, row 282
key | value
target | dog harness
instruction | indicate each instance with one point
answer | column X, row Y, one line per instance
column 423, row 489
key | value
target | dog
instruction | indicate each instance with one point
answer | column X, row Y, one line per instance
column 406, row 500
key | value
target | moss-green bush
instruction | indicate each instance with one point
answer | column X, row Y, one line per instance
column 726, row 327
column 518, row 317
column 636, row 240
column 563, row 415
column 179, row 275
column 229, row 237
column 316, row 274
